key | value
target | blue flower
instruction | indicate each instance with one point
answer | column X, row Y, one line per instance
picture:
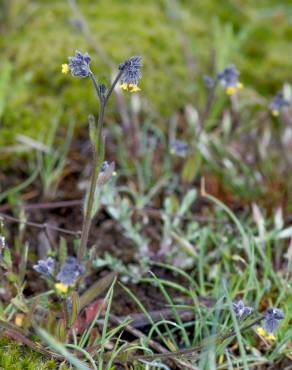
column 229, row 79
column 241, row 310
column 272, row 318
column 131, row 75
column 70, row 271
column 45, row 267
column 277, row 103
column 79, row 64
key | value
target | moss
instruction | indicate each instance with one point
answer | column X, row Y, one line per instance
column 39, row 37
column 14, row 356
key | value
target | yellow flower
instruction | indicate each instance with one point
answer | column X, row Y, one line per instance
column 130, row 87
column 263, row 333
column 124, row 86
column 65, row 68
column 61, row 288
column 275, row 113
column 134, row 88
column 271, row 337
column 230, row 90
column 19, row 318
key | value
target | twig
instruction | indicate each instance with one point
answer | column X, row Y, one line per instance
column 43, row 226
column 49, row 205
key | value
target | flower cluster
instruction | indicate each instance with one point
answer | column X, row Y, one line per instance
column 277, row 103
column 69, row 272
column 131, row 75
column 179, row 147
column 272, row 318
column 78, row 65
column 241, row 310
column 229, row 79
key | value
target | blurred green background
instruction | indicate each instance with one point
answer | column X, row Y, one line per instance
column 179, row 41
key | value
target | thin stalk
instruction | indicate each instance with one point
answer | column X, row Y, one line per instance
column 111, row 89
column 98, row 152
column 93, row 182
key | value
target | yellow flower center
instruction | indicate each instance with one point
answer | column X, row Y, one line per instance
column 275, row 112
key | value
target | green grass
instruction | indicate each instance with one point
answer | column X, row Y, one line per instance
column 176, row 40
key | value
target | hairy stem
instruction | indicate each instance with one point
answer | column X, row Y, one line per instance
column 98, row 153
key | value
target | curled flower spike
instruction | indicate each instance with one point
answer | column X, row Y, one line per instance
column 277, row 103
column 70, row 271
column 45, row 267
column 131, row 74
column 79, row 64
column 229, row 79
column 272, row 318
column 241, row 310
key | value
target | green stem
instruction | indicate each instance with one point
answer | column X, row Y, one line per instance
column 98, row 152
